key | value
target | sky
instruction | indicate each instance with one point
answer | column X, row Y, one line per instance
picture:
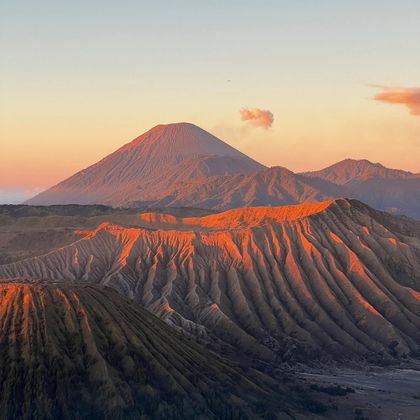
column 81, row 78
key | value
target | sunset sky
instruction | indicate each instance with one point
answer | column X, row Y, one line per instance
column 81, row 78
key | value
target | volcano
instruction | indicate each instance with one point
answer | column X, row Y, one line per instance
column 84, row 352
column 148, row 167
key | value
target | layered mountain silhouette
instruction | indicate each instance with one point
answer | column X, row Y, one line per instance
column 392, row 190
column 332, row 278
column 270, row 187
column 70, row 352
column 350, row 171
column 183, row 165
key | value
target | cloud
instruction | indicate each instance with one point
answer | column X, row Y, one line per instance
column 410, row 97
column 257, row 117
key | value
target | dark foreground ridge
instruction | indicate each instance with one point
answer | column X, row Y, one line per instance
column 85, row 352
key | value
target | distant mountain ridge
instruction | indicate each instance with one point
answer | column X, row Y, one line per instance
column 275, row 186
column 182, row 165
column 392, row 190
column 352, row 170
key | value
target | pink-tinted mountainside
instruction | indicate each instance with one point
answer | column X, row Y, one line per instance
column 150, row 165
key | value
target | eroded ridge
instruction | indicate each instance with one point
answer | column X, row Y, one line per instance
column 241, row 218
column 332, row 278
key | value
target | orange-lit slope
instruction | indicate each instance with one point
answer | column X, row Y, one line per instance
column 337, row 277
column 234, row 219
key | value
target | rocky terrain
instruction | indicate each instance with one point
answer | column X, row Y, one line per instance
column 84, row 352
column 391, row 393
column 332, row 279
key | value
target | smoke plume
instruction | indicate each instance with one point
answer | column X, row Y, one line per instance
column 257, row 117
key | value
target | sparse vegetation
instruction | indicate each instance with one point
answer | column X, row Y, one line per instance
column 86, row 353
column 336, row 390
column 358, row 414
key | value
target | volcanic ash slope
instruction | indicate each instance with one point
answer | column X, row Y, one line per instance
column 335, row 277
column 86, row 353
column 149, row 167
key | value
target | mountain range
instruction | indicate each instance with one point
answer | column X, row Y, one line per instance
column 182, row 165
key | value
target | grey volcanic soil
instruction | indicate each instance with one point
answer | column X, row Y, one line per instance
column 380, row 393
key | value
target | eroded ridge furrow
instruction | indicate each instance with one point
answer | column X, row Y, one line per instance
column 377, row 286
column 337, row 324
column 336, row 278
column 340, row 301
column 86, row 352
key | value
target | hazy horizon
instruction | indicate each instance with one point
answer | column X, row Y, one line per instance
column 11, row 195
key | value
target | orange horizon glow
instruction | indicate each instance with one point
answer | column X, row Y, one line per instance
column 28, row 169
column 70, row 98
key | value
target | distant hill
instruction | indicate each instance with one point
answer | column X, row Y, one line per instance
column 387, row 189
column 350, row 171
column 274, row 186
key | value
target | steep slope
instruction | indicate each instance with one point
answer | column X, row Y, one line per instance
column 334, row 278
column 145, row 168
column 352, row 170
column 271, row 187
column 387, row 189
column 87, row 353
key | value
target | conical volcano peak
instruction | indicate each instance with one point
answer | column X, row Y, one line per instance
column 175, row 125
column 144, row 169
column 183, row 139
